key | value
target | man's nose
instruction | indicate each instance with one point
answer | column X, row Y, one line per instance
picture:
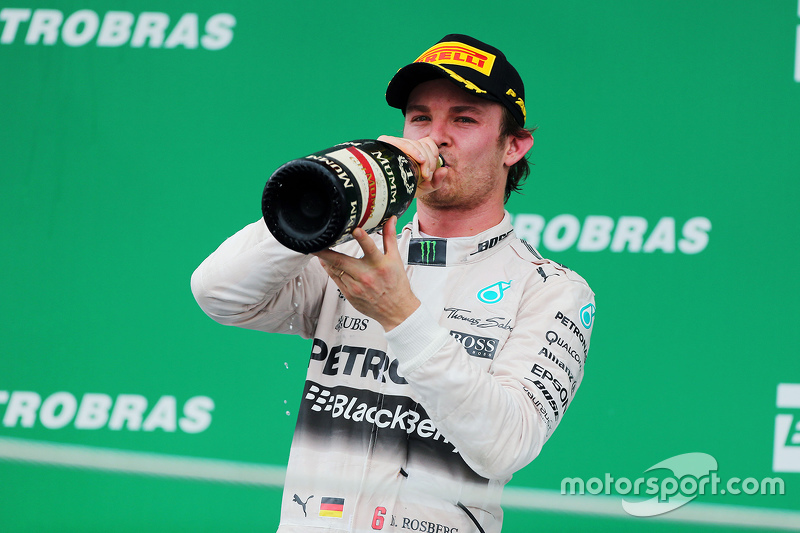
column 439, row 133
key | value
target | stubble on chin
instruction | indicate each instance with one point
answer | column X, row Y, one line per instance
column 456, row 195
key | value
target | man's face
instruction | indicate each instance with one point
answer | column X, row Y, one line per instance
column 467, row 131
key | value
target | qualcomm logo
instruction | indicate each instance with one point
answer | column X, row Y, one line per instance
column 494, row 292
column 786, row 451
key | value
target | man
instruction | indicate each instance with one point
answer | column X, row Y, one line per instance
column 443, row 358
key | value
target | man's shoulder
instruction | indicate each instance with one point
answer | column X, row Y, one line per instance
column 544, row 270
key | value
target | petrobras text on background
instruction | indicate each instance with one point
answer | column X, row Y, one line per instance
column 692, row 474
column 786, row 450
column 797, row 49
column 114, row 29
column 626, row 234
column 97, row 410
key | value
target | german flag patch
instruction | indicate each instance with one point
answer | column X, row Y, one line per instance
column 331, row 507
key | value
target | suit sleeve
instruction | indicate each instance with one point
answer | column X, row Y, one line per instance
column 254, row 282
column 500, row 420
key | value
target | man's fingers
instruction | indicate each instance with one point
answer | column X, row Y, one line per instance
column 333, row 262
column 367, row 244
column 438, row 177
column 423, row 151
column 412, row 148
column 427, row 187
column 432, row 157
column 390, row 237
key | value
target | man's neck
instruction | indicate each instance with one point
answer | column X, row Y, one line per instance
column 454, row 222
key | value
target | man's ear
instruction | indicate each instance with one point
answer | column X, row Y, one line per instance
column 517, row 148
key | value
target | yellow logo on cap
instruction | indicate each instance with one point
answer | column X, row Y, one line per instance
column 455, row 53
column 518, row 101
column 467, row 84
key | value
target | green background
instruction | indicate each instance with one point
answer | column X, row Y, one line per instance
column 123, row 168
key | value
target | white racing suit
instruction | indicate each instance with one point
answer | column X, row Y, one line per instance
column 417, row 429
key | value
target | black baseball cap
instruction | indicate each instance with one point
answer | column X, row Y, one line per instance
column 479, row 68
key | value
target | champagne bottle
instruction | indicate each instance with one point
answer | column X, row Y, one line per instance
column 316, row 202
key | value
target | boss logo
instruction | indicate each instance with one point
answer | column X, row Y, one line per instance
column 483, row 347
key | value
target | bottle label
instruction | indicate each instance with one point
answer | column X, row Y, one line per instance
column 309, row 206
column 371, row 182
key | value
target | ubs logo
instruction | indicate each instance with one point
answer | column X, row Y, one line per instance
column 348, row 322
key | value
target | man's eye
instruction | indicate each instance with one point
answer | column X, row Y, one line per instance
column 466, row 119
column 419, row 118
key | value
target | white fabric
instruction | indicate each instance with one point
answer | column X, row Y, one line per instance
column 441, row 410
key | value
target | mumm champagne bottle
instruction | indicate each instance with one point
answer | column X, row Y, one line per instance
column 316, row 202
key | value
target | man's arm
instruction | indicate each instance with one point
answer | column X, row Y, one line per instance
column 500, row 420
column 252, row 281
column 246, row 281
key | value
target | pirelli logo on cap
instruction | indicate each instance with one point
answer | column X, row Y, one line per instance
column 455, row 53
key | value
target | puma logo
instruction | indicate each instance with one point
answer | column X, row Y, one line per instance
column 302, row 503
column 540, row 270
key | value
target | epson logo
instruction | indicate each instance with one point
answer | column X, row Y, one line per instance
column 542, row 372
column 484, row 347
column 115, row 29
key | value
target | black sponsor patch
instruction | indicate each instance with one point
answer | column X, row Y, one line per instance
column 431, row 252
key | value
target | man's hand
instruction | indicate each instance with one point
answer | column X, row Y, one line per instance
column 426, row 153
column 376, row 284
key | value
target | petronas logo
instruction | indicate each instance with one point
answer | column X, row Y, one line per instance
column 428, row 250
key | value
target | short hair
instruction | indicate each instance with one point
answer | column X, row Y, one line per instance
column 520, row 170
